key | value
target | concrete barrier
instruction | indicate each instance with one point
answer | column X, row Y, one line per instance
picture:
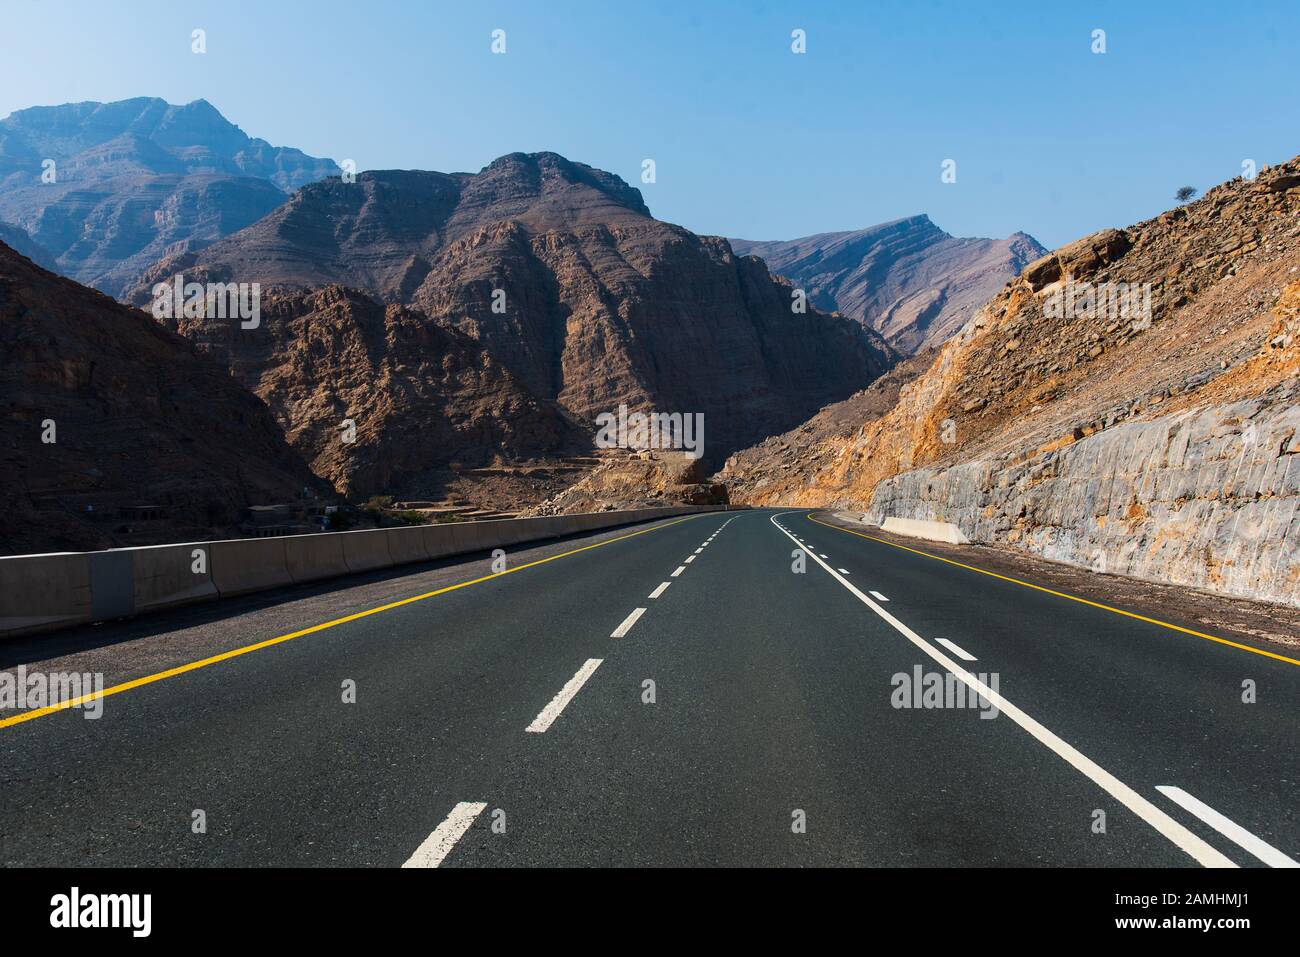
column 168, row 575
column 439, row 540
column 507, row 531
column 245, row 565
column 43, row 592
column 46, row 592
column 407, row 545
column 366, row 549
column 310, row 558
column 592, row 521
column 923, row 528
column 469, row 537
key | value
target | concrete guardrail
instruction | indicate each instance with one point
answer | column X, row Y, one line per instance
column 46, row 592
column 923, row 528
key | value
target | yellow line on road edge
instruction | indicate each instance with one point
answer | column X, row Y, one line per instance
column 236, row 652
column 1061, row 594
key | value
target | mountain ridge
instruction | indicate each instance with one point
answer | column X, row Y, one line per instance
column 562, row 273
column 135, row 179
column 906, row 278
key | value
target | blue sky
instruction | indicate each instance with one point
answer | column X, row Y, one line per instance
column 749, row 139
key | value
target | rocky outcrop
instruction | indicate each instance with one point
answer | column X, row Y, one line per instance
column 637, row 479
column 907, row 279
column 1160, row 409
column 137, row 180
column 560, row 272
column 420, row 397
column 105, row 410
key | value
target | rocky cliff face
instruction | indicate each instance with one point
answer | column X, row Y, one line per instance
column 1104, row 438
column 105, row 409
column 907, row 279
column 421, row 397
column 137, row 179
column 560, row 272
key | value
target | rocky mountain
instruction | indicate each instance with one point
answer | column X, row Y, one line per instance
column 421, row 397
column 105, row 410
column 562, row 274
column 1129, row 403
column 109, row 188
column 907, row 279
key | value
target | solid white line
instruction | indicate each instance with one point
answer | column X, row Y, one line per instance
column 959, row 652
column 1176, row 833
column 878, row 597
column 680, row 569
column 628, row 622
column 1234, row 832
column 439, row 844
column 689, row 560
column 552, row 710
column 660, row 590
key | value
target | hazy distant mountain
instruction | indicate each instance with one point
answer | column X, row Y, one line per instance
column 907, row 279
column 136, row 179
column 597, row 302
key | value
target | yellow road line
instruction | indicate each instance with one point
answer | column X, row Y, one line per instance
column 236, row 652
column 1061, row 594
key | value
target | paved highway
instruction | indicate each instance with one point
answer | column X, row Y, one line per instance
column 725, row 689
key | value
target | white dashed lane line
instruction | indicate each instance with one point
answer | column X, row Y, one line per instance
column 878, row 597
column 842, row 571
column 439, row 844
column 689, row 559
column 660, row 590
column 628, row 622
column 552, row 711
column 680, row 569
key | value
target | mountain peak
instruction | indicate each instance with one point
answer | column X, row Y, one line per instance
column 906, row 278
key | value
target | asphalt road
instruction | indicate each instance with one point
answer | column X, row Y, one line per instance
column 748, row 715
